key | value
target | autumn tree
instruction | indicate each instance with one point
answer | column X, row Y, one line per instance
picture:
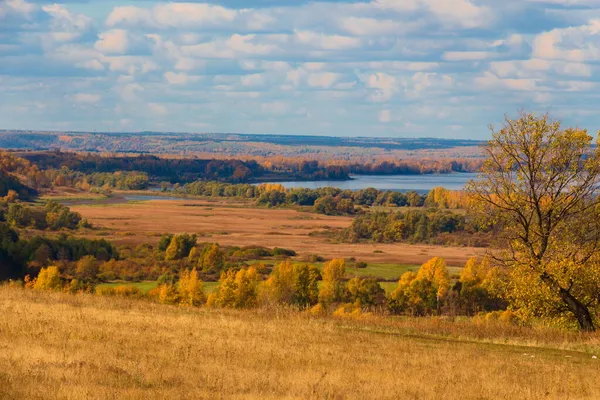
column 423, row 292
column 48, row 279
column 293, row 284
column 539, row 185
column 180, row 246
column 190, row 288
column 236, row 289
column 334, row 285
column 213, row 258
column 87, row 269
column 482, row 286
column 366, row 292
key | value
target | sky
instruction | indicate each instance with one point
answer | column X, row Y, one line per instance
column 397, row 68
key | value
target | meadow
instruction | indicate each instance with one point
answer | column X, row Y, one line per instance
column 56, row 345
column 239, row 223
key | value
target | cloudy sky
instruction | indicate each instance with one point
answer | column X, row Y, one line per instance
column 435, row 68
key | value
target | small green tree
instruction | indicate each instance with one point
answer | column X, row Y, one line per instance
column 213, row 258
column 366, row 292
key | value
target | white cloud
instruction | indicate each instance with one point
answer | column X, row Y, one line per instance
column 175, row 78
column 114, row 41
column 327, row 42
column 385, row 86
column 385, row 116
column 491, row 81
column 468, row 55
column 94, row 65
column 460, row 13
column 275, row 107
column 574, row 44
column 172, row 15
column 17, row 7
column 157, row 109
column 372, row 26
column 66, row 26
column 129, row 92
column 87, row 98
column 253, row 80
column 322, row 79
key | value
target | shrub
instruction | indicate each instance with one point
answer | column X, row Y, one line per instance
column 366, row 292
column 48, row 279
column 334, row 288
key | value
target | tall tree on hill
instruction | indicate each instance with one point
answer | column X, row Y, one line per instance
column 539, row 184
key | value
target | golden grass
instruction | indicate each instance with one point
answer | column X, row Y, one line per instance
column 54, row 345
column 237, row 223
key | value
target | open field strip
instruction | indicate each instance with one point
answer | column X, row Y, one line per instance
column 84, row 347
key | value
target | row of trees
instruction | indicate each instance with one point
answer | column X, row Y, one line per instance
column 19, row 257
column 329, row 200
column 185, row 169
column 413, row 226
column 408, row 167
column 52, row 215
column 429, row 291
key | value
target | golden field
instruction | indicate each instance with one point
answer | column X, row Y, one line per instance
column 238, row 223
column 55, row 345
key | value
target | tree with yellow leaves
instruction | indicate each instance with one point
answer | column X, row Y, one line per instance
column 482, row 286
column 48, row 279
column 236, row 289
column 334, row 285
column 423, row 292
column 190, row 288
column 293, row 284
column 539, row 187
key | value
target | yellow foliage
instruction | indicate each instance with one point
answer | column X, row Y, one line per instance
column 237, row 289
column 271, row 187
column 436, row 271
column 190, row 288
column 167, row 294
column 333, row 289
column 318, row 310
column 48, row 279
column 348, row 310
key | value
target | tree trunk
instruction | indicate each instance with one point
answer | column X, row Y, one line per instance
column 578, row 309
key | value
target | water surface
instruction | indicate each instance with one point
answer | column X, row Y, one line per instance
column 399, row 183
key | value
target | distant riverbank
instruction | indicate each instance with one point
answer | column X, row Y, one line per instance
column 399, row 183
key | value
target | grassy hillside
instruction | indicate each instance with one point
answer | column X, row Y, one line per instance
column 55, row 345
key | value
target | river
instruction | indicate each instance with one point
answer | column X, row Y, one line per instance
column 399, row 183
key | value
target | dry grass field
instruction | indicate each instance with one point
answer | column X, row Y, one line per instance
column 231, row 222
column 60, row 346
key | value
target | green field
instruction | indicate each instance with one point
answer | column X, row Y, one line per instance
column 385, row 271
column 147, row 286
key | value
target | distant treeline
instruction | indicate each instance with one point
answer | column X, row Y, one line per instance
column 416, row 167
column 328, row 200
column 21, row 256
column 10, row 183
column 184, row 169
column 417, row 226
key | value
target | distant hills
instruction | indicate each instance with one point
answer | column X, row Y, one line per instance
column 222, row 143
